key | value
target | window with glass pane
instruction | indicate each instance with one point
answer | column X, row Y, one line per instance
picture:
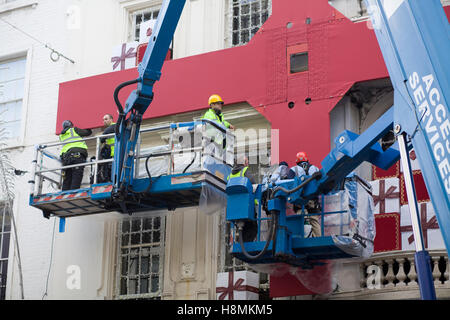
column 5, row 235
column 141, row 243
column 12, row 81
column 247, row 17
column 299, row 62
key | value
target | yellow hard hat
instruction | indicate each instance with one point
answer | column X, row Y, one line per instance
column 215, row 98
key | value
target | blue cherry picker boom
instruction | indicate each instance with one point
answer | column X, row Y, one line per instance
column 414, row 39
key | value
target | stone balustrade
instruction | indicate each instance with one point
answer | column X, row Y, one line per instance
column 392, row 275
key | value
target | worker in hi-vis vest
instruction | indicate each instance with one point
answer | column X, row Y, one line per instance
column 214, row 112
column 74, row 151
column 107, row 150
column 240, row 169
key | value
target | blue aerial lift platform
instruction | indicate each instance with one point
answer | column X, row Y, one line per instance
column 166, row 176
column 414, row 37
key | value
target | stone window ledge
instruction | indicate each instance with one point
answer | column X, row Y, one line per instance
column 19, row 4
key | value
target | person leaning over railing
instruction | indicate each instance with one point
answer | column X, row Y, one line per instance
column 74, row 151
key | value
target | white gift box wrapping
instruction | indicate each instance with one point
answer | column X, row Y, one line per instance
column 391, row 186
column 124, row 56
column 146, row 30
column 431, row 233
column 244, row 279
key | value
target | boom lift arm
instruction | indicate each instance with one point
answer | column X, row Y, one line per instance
column 414, row 37
column 130, row 117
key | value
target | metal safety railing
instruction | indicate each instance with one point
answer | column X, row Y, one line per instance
column 339, row 213
column 190, row 146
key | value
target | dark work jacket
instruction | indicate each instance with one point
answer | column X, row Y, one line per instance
column 110, row 129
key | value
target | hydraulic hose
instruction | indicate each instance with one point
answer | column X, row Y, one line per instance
column 316, row 175
column 273, row 227
column 119, row 105
column 148, row 172
column 190, row 164
column 149, row 175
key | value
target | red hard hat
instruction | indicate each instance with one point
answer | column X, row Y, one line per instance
column 301, row 156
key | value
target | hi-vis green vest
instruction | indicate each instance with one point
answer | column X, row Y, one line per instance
column 212, row 115
column 111, row 142
column 73, row 140
column 239, row 174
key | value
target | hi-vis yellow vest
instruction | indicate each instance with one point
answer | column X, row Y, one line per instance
column 239, row 174
column 211, row 115
column 111, row 142
column 73, row 141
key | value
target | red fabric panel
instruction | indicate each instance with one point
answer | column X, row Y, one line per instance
column 287, row 285
column 419, row 184
column 141, row 51
column 387, row 236
column 393, row 171
column 304, row 282
column 447, row 12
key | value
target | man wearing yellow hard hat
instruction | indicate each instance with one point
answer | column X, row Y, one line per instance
column 214, row 112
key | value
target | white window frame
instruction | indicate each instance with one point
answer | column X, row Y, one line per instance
column 18, row 141
column 133, row 21
column 229, row 19
column 128, row 7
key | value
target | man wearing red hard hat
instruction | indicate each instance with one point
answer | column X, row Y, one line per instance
column 303, row 167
